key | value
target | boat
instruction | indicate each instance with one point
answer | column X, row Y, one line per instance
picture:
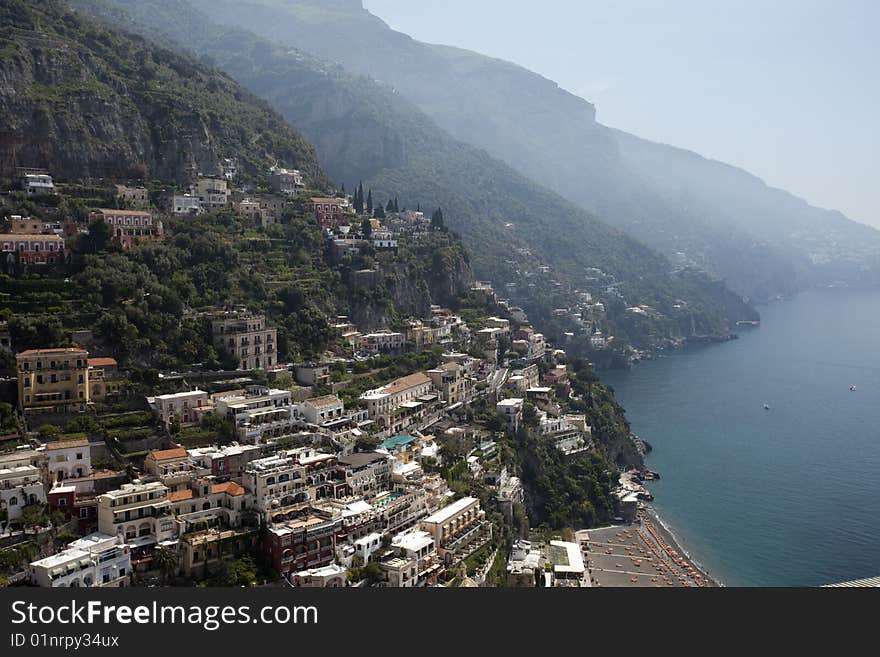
column 766, row 407
column 852, row 388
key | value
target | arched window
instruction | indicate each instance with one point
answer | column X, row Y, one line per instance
column 13, row 501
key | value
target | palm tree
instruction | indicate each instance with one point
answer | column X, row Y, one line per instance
column 166, row 561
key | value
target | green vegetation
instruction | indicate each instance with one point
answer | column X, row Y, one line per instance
column 168, row 110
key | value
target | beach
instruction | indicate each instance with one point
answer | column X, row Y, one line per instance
column 643, row 553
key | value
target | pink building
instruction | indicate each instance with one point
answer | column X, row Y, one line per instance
column 127, row 227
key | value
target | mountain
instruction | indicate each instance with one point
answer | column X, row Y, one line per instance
column 762, row 241
column 89, row 103
column 512, row 227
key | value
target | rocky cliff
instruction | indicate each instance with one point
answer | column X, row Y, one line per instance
column 88, row 103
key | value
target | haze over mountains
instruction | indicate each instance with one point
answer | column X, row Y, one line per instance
column 512, row 226
column 763, row 241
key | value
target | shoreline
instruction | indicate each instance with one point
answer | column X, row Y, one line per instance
column 677, row 545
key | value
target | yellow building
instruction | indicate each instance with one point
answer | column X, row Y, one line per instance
column 53, row 380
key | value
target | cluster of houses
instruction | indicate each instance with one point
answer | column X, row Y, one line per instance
column 320, row 489
column 316, row 512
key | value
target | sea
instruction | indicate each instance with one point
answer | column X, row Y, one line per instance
column 782, row 496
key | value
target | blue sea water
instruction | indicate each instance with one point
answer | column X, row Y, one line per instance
column 783, row 497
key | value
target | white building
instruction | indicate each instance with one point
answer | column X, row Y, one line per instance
column 37, row 183
column 181, row 405
column 319, row 410
column 366, row 546
column 69, row 459
column 511, row 410
column 138, row 512
column 186, row 204
column 96, row 560
column 21, row 485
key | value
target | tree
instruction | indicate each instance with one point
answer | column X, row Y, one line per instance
column 437, row 219
column 366, row 228
column 370, row 202
column 358, row 200
column 166, row 561
column 48, row 432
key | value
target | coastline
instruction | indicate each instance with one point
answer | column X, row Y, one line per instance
column 676, row 544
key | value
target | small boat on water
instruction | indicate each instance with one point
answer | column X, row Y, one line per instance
column 766, row 407
column 852, row 388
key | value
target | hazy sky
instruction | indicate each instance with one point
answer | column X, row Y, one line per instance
column 787, row 89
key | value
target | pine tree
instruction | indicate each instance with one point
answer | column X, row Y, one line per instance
column 370, row 202
column 437, row 219
column 359, row 199
column 396, row 207
column 389, row 207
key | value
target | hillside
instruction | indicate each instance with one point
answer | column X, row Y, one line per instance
column 761, row 240
column 88, row 104
column 364, row 130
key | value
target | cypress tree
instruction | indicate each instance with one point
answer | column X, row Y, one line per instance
column 370, row 202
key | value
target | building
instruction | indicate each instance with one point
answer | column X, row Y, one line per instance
column 511, row 410
column 53, row 380
column 452, row 383
column 21, row 485
column 400, row 572
column 129, row 227
column 69, row 459
column 287, row 181
column 186, row 204
column 313, row 374
column 228, row 462
column 138, row 512
column 328, row 577
column 40, row 249
column 92, row 561
column 328, row 211
column 260, row 414
column 208, row 549
column 409, row 392
column 458, row 529
column 181, row 407
column 247, row 339
column 37, row 183
column 137, row 197
column 19, row 225
column 320, row 410
column 303, row 542
column 213, row 193
column 292, row 478
column 364, row 473
column 568, row 564
column 365, row 546
column 382, row 342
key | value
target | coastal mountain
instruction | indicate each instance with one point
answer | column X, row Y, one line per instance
column 512, row 226
column 761, row 240
column 92, row 104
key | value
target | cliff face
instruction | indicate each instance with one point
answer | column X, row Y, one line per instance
column 89, row 104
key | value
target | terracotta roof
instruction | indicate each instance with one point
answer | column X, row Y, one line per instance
column 129, row 212
column 326, row 400
column 168, row 454
column 48, row 352
column 230, row 488
column 68, row 444
column 29, row 237
column 180, row 495
column 102, row 362
column 411, row 381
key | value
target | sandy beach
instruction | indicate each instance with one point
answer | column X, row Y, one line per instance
column 641, row 554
